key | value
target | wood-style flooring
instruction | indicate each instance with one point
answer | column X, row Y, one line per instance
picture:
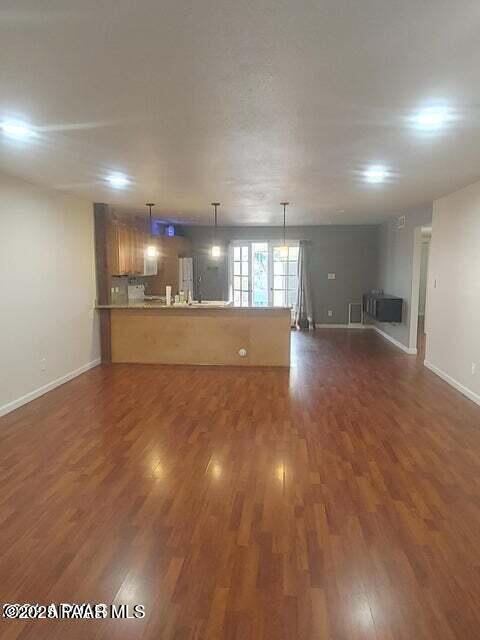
column 338, row 500
column 421, row 338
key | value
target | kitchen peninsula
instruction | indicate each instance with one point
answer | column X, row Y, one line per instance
column 205, row 334
column 150, row 331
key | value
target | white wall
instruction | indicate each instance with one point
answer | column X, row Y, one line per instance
column 47, row 284
column 453, row 309
column 423, row 277
column 396, row 268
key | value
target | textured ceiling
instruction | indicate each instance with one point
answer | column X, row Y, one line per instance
column 247, row 102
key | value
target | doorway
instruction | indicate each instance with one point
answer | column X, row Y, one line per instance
column 422, row 296
column 419, row 299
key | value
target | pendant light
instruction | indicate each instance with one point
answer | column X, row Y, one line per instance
column 215, row 251
column 284, row 248
column 152, row 251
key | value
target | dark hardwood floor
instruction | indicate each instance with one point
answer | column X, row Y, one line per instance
column 421, row 338
column 338, row 500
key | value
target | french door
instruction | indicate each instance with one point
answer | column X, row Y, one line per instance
column 264, row 274
column 241, row 276
column 285, row 279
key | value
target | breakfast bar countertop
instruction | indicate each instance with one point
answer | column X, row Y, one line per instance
column 208, row 305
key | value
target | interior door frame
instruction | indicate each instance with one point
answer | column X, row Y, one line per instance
column 418, row 241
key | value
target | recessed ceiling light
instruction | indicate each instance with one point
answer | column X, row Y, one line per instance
column 376, row 174
column 432, row 118
column 17, row 130
column 118, row 180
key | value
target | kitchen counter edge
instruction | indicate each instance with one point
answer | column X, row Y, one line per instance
column 200, row 307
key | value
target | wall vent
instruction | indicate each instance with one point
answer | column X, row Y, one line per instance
column 355, row 314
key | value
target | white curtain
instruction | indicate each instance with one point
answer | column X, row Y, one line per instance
column 304, row 317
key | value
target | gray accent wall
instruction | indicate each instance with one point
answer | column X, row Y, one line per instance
column 351, row 252
column 395, row 270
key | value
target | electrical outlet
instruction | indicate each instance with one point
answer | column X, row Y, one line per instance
column 332, row 276
column 330, row 313
column 43, row 364
column 474, row 368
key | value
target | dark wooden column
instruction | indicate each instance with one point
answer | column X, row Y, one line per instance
column 101, row 214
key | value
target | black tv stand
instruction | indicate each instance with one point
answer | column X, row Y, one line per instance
column 383, row 308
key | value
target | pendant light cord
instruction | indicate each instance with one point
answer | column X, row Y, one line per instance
column 284, row 204
column 215, row 205
column 150, row 205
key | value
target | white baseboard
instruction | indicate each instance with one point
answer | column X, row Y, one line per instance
column 411, row 351
column 341, row 326
column 331, row 326
column 471, row 395
column 36, row 393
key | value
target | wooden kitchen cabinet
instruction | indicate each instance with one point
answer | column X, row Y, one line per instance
column 170, row 250
column 126, row 246
column 123, row 249
column 140, row 242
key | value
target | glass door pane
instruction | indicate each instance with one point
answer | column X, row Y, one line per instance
column 260, row 274
column 284, row 285
column 280, row 274
column 241, row 276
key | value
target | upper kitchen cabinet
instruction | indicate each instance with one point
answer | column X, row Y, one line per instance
column 132, row 244
column 127, row 243
column 126, row 249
